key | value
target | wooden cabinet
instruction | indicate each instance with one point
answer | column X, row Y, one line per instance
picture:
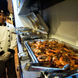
column 16, row 58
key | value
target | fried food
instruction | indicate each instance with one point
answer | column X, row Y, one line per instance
column 44, row 58
column 55, row 53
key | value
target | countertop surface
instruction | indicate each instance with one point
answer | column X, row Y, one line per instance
column 20, row 21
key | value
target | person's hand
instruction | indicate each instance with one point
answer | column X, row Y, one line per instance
column 5, row 56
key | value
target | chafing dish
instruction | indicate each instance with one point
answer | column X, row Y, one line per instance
column 37, row 23
column 37, row 67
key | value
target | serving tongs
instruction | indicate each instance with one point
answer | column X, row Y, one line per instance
column 39, row 67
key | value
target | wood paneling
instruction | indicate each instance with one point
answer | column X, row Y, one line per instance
column 10, row 6
column 17, row 63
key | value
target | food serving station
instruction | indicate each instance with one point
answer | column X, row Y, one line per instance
column 51, row 46
column 48, row 56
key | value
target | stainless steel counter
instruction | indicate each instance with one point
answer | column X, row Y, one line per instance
column 23, row 59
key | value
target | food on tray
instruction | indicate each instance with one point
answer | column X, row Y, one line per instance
column 54, row 53
column 44, row 58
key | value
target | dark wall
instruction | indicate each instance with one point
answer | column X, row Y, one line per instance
column 43, row 4
column 4, row 6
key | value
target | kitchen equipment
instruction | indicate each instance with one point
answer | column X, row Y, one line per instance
column 37, row 23
column 39, row 67
column 36, row 66
column 37, row 26
column 37, row 29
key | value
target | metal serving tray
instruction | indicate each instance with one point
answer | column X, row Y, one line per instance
column 33, row 57
column 36, row 66
column 75, row 48
column 31, row 53
column 35, row 60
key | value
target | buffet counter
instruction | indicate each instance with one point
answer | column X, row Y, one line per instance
column 27, row 58
column 23, row 59
column 20, row 21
